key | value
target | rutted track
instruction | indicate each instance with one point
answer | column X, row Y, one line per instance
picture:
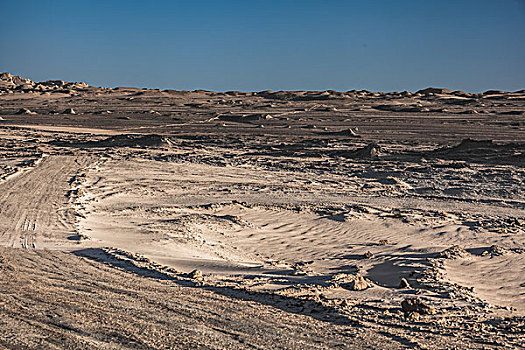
column 51, row 300
column 33, row 204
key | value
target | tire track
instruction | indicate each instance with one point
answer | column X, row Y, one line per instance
column 29, row 217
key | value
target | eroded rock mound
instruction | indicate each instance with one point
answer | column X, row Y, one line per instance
column 345, row 132
column 13, row 81
column 10, row 83
column 482, row 151
column 25, row 111
column 152, row 140
column 432, row 90
column 127, row 140
column 370, row 151
column 410, row 305
column 302, row 95
column 402, row 108
column 454, row 252
column 243, row 118
column 495, row 250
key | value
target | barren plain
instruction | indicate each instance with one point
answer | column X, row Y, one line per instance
column 142, row 218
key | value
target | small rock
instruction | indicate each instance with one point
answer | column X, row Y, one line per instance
column 25, row 111
column 78, row 237
column 404, row 283
column 350, row 132
column 412, row 316
column 196, row 275
column 359, row 283
column 384, row 242
column 371, row 151
column 368, row 255
column 69, row 111
column 416, row 305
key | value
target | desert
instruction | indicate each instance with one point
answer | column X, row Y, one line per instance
column 148, row 218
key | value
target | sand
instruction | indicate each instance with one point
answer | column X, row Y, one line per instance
column 157, row 219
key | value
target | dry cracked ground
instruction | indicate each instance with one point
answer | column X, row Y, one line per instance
column 136, row 218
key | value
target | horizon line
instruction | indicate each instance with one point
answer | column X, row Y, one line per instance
column 448, row 90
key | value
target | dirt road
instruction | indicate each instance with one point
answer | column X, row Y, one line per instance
column 34, row 209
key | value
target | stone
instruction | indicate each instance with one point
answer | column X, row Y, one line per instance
column 368, row 255
column 25, row 111
column 404, row 283
column 196, row 275
column 417, row 305
column 371, row 151
column 359, row 283
column 412, row 316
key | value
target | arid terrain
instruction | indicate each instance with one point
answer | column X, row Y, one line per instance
column 154, row 219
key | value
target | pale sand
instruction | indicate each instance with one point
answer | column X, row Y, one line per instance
column 195, row 220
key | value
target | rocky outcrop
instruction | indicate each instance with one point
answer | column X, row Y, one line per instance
column 14, row 83
column 432, row 90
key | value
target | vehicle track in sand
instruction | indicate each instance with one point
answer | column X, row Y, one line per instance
column 52, row 299
column 30, row 203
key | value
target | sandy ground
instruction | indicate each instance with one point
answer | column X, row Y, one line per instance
column 166, row 219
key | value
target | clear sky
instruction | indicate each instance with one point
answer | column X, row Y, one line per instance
column 472, row 45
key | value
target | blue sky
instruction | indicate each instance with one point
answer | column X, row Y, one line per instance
column 277, row 45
